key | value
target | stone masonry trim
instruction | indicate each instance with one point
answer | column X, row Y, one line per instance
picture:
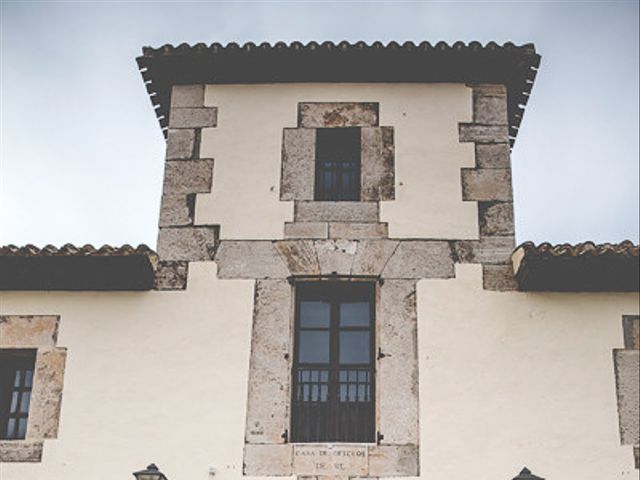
column 41, row 333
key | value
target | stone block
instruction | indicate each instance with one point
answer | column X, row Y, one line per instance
column 358, row 230
column 496, row 218
column 498, row 278
column 306, row 230
column 299, row 256
column 180, row 144
column 490, row 105
column 493, row 155
column 362, row 212
column 377, row 165
column 188, row 176
column 171, row 276
column 336, row 256
column 193, row 117
column 489, row 250
column 394, row 461
column 341, row 114
column 330, row 460
column 470, row 132
column 398, row 370
column 627, row 369
column 250, row 259
column 187, row 96
column 486, row 184
column 267, row 460
column 176, row 210
column 269, row 395
column 28, row 330
column 46, row 396
column 372, row 256
column 187, row 243
column 20, row 451
column 298, row 164
column 420, row 259
column 631, row 331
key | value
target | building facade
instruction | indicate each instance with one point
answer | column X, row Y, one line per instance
column 336, row 290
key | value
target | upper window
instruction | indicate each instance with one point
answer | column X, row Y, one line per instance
column 16, row 383
column 337, row 164
column 333, row 371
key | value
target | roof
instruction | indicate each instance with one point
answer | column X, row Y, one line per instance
column 77, row 268
column 585, row 267
column 512, row 65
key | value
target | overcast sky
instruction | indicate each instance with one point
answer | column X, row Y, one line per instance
column 82, row 154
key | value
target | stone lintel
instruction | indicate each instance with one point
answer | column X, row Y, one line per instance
column 336, row 256
column 362, row 212
column 188, row 176
column 171, row 276
column 187, row 243
column 187, row 96
column 249, row 259
column 193, row 117
column 26, row 451
column 299, row 256
column 470, row 132
column 358, row 230
column 306, row 230
column 486, row 184
column 420, row 259
column 372, row 256
column 338, row 114
column 331, row 460
column 21, row 331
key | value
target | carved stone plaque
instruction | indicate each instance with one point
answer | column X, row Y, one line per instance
column 344, row 460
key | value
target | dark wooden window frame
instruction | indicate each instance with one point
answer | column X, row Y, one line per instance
column 335, row 421
column 17, row 372
column 336, row 162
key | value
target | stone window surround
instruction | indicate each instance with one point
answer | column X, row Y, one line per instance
column 39, row 332
column 267, row 451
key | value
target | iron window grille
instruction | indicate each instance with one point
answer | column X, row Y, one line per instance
column 337, row 164
column 333, row 368
column 16, row 384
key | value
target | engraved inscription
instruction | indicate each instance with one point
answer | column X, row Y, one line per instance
column 330, row 460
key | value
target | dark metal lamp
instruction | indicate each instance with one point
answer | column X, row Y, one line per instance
column 150, row 473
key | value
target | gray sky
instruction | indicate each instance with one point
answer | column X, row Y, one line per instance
column 82, row 155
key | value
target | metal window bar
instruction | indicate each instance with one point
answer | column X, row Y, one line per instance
column 334, row 402
column 337, row 164
column 16, row 384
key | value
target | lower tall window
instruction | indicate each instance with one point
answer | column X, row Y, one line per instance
column 333, row 373
column 16, row 383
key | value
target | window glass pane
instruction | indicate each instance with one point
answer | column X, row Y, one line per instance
column 313, row 347
column 14, row 402
column 11, row 425
column 354, row 347
column 314, row 314
column 24, row 402
column 355, row 314
column 28, row 379
column 22, row 427
column 16, row 383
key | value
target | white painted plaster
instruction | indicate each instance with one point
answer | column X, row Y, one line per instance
column 511, row 379
column 247, row 146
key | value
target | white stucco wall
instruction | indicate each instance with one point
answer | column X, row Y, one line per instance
column 506, row 380
column 247, row 146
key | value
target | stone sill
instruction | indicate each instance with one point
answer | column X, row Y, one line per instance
column 20, row 451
